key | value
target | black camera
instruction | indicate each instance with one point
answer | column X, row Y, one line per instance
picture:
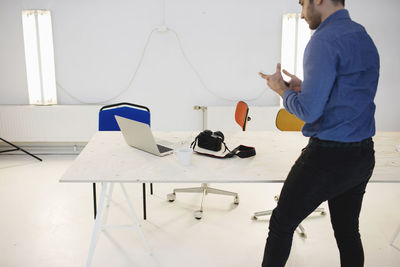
column 210, row 140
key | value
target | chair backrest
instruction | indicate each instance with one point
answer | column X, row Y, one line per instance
column 135, row 112
column 242, row 114
column 288, row 122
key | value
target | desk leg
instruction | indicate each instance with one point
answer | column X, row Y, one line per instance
column 151, row 188
column 107, row 207
column 396, row 236
column 144, row 201
column 135, row 219
column 94, row 201
column 97, row 225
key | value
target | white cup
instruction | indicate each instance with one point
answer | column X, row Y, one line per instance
column 184, row 155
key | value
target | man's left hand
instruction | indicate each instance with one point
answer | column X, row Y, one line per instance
column 275, row 81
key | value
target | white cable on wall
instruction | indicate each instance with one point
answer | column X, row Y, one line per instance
column 202, row 81
column 129, row 84
column 161, row 29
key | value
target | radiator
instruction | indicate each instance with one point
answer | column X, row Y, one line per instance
column 60, row 123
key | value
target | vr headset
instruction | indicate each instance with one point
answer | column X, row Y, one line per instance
column 212, row 142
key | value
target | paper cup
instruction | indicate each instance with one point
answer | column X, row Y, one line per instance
column 184, row 155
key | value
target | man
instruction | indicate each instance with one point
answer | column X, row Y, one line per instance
column 336, row 100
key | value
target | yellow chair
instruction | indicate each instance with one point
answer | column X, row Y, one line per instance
column 287, row 122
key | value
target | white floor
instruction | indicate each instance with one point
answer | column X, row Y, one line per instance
column 47, row 223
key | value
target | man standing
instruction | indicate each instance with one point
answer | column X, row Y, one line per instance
column 336, row 100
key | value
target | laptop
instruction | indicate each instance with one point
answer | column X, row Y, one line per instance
column 138, row 135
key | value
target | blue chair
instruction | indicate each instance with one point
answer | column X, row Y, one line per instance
column 107, row 122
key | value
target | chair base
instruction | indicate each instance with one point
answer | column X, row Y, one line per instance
column 204, row 189
column 301, row 229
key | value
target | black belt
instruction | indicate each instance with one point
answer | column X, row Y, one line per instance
column 327, row 143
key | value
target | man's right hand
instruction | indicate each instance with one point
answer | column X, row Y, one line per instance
column 294, row 83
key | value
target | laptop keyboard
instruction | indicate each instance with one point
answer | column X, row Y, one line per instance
column 163, row 149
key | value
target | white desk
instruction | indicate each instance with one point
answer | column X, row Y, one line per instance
column 108, row 159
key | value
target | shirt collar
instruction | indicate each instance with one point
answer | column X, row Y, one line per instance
column 338, row 15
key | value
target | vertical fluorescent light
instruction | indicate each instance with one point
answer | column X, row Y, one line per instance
column 303, row 36
column 39, row 56
column 288, row 49
column 295, row 36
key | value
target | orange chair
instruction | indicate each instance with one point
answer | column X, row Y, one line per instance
column 242, row 114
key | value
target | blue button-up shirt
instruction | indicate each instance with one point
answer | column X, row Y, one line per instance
column 341, row 72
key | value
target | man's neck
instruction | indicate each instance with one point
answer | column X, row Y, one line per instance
column 330, row 11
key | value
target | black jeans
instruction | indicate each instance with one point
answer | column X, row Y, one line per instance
column 326, row 170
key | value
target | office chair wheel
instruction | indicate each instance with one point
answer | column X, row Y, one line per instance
column 171, row 197
column 323, row 212
column 236, row 200
column 254, row 218
column 198, row 214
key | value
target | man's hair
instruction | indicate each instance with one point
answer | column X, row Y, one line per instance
column 333, row 1
column 338, row 1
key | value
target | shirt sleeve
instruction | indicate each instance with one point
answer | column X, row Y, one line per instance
column 319, row 65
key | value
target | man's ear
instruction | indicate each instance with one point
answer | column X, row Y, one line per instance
column 318, row 2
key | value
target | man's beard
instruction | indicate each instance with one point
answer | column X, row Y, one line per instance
column 315, row 19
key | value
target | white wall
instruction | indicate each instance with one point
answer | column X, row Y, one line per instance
column 98, row 44
column 382, row 21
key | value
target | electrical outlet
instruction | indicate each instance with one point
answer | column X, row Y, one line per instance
column 162, row 28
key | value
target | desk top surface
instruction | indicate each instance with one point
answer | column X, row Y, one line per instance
column 107, row 158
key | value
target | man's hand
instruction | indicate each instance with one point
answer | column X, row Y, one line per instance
column 275, row 81
column 295, row 83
